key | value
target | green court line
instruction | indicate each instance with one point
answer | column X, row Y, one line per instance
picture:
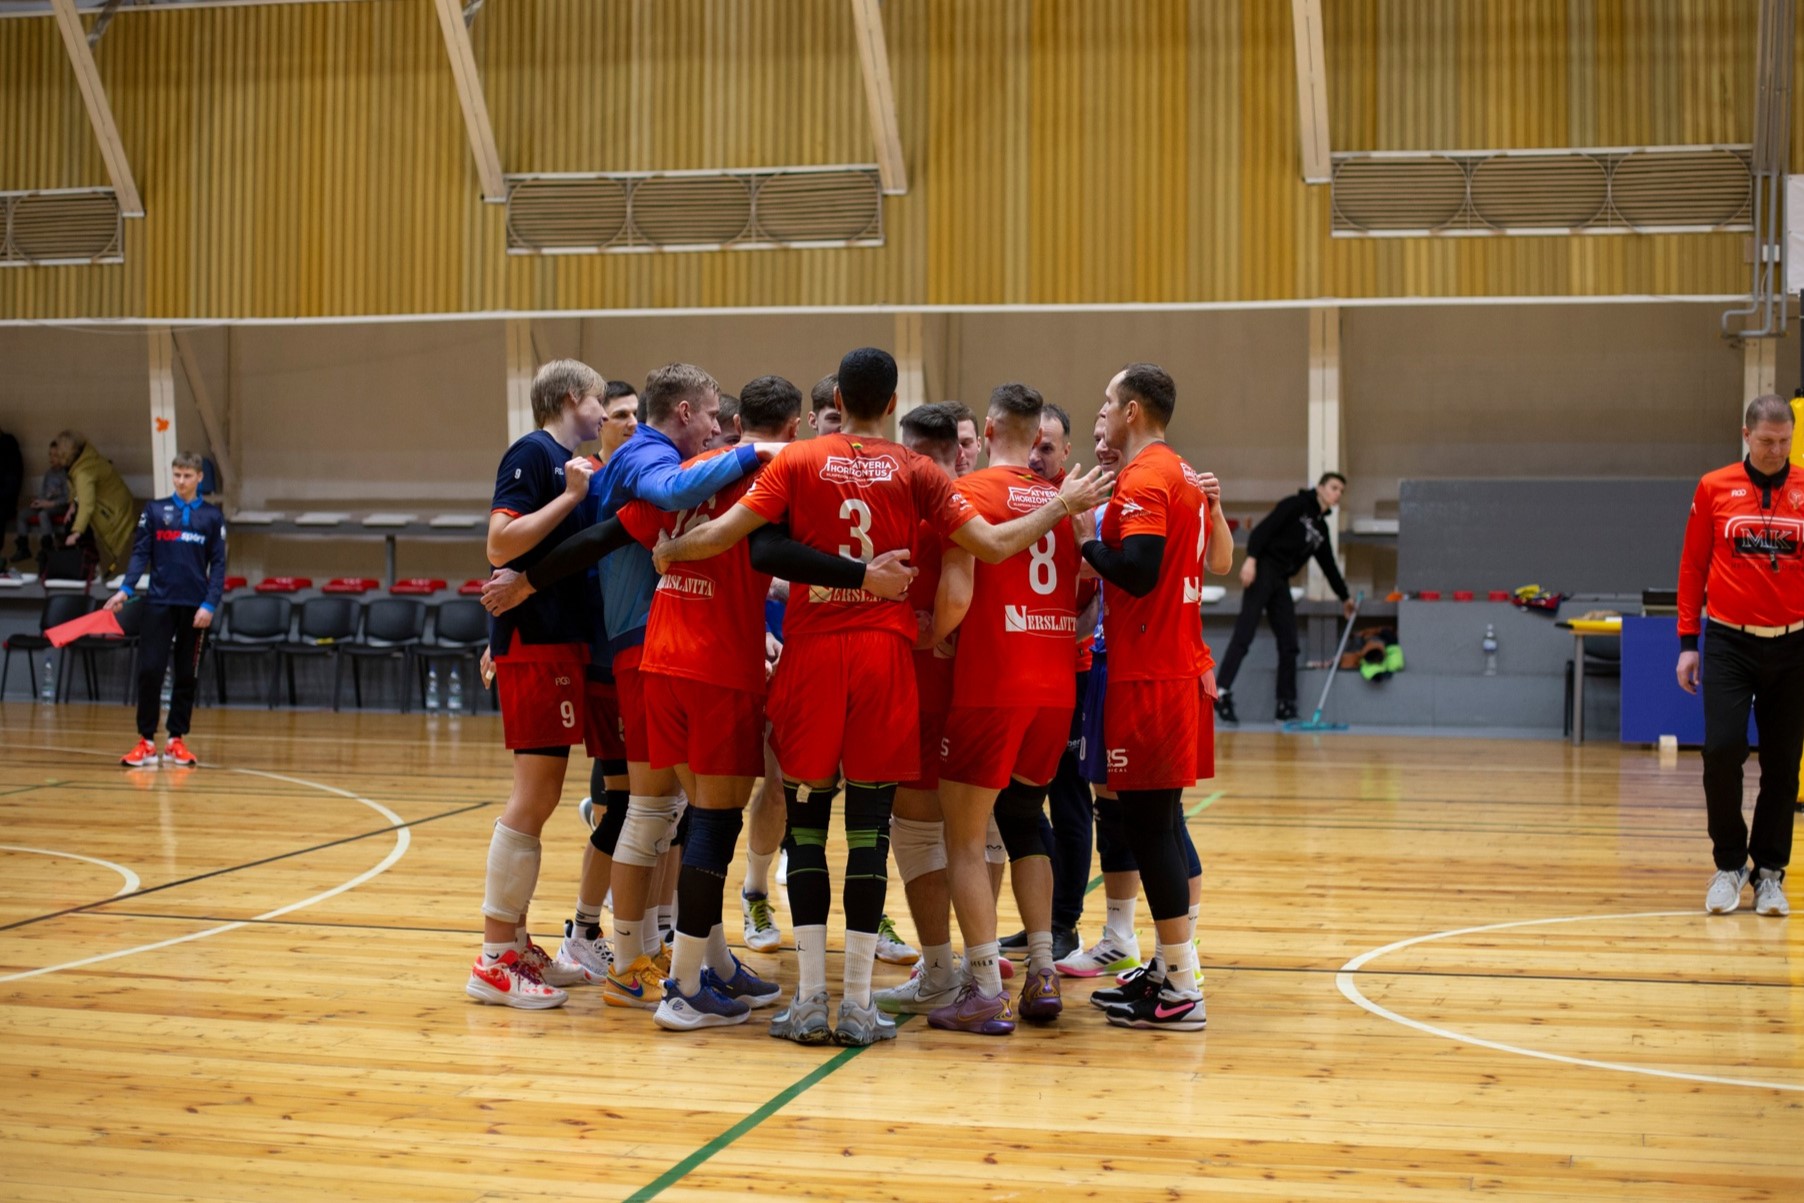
column 800, row 1086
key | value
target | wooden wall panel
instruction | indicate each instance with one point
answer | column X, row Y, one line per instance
column 303, row 160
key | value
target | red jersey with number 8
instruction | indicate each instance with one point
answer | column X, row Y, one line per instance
column 1158, row 637
column 1018, row 643
column 857, row 496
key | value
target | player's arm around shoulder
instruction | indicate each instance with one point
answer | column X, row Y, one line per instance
column 952, row 601
column 993, row 543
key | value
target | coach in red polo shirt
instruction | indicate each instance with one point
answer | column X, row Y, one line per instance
column 1743, row 563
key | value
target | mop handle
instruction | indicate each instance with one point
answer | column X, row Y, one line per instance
column 1334, row 665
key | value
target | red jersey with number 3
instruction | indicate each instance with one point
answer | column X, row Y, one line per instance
column 857, row 496
column 1158, row 637
column 707, row 616
column 1018, row 643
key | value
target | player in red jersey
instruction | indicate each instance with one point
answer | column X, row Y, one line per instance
column 1012, row 695
column 843, row 698
column 1158, row 733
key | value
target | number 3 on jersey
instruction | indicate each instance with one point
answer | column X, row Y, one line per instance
column 858, row 513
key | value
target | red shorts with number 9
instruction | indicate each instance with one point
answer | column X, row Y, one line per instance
column 1158, row 734
column 542, row 694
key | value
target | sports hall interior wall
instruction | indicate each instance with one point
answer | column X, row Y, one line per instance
column 304, row 160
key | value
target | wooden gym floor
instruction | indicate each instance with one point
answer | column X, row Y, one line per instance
column 1435, row 968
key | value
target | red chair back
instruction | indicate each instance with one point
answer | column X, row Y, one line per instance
column 417, row 585
column 284, row 584
column 471, row 588
column 349, row 584
column 235, row 582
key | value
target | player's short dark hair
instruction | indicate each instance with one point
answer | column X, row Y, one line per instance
column 1152, row 386
column 867, row 381
column 821, row 395
column 617, row 389
column 928, row 427
column 1328, row 476
column 961, row 412
column 1769, row 408
column 671, row 385
column 1016, row 408
column 1059, row 413
column 767, row 404
column 729, row 405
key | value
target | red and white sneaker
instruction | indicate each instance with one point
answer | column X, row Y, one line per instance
column 551, row 972
column 176, row 752
column 144, row 754
column 510, row 982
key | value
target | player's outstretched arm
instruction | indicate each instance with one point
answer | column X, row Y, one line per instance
column 993, row 544
column 671, row 486
column 774, row 551
column 953, row 600
column 709, row 539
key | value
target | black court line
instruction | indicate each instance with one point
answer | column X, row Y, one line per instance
column 268, row 860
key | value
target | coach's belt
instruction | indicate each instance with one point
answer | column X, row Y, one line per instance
column 1761, row 632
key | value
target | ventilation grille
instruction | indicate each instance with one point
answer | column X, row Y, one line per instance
column 75, row 225
column 1653, row 190
column 694, row 210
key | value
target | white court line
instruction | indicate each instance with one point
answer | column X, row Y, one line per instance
column 1344, row 980
column 131, row 879
column 403, row 837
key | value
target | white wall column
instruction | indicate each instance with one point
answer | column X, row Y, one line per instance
column 1325, row 425
column 164, row 442
column 521, row 367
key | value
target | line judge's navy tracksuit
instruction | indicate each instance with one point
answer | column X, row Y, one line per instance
column 183, row 547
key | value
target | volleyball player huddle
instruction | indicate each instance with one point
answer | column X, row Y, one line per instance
column 686, row 545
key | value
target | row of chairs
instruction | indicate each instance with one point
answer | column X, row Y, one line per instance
column 337, row 629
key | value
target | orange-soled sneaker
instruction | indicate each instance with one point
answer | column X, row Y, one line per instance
column 510, row 982
column 141, row 756
column 176, row 752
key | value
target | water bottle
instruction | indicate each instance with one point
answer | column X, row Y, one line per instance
column 1490, row 649
column 432, row 687
column 454, row 692
column 47, row 681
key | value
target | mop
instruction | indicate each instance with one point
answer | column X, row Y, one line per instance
column 1315, row 723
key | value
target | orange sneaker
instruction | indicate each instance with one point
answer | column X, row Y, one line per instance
column 144, row 754
column 176, row 752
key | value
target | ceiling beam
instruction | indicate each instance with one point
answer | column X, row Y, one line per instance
column 880, row 96
column 469, row 95
column 1312, row 90
column 100, row 113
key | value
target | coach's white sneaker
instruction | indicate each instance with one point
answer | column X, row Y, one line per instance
column 591, row 958
column 1725, row 890
column 1769, row 893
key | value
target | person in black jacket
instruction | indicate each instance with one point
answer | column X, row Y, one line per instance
column 181, row 542
column 1286, row 539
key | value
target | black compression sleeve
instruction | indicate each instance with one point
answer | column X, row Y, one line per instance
column 579, row 551
column 1135, row 567
column 773, row 551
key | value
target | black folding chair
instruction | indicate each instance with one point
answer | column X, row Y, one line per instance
column 255, row 628
column 327, row 623
column 58, row 609
column 460, row 630
column 392, row 627
column 131, row 621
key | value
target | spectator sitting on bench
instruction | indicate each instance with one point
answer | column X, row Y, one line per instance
column 48, row 511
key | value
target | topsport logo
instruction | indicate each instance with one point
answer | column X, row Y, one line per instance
column 860, row 471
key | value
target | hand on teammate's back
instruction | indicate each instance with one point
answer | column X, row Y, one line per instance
column 768, row 451
column 505, row 590
column 889, row 576
column 659, row 560
column 1088, row 491
column 576, row 475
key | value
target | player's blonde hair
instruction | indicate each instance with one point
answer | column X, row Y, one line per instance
column 559, row 379
column 672, row 384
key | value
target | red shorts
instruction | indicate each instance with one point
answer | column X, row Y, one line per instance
column 987, row 745
column 601, row 730
column 933, row 684
column 629, row 687
column 846, row 701
column 1158, row 734
column 716, row 731
column 542, row 695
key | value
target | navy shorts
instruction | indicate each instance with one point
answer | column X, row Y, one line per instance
column 1091, row 762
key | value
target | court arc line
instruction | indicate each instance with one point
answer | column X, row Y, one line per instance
column 132, row 883
column 403, row 839
column 1343, row 980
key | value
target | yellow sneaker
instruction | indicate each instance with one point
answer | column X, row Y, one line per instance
column 640, row 985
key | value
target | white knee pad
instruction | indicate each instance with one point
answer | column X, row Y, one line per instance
column 919, row 845
column 650, row 824
column 994, row 852
column 513, row 872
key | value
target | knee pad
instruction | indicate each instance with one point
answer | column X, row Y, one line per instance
column 919, row 845
column 995, row 852
column 646, row 834
column 713, row 836
column 1112, row 845
column 512, row 873
column 807, row 815
column 606, row 836
column 1017, row 820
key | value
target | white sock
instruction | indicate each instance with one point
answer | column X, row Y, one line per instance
column 861, row 954
column 522, row 939
column 1195, row 909
column 588, row 914
column 651, row 939
column 757, row 871
column 980, row 963
column 936, row 966
column 666, row 920
column 811, row 960
column 1039, row 951
column 686, row 962
column 1180, row 973
column 494, row 952
column 1120, row 923
column 626, row 941
column 718, row 957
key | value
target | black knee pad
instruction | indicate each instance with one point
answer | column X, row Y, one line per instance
column 1018, row 818
column 606, row 835
column 713, row 837
column 867, row 829
column 1152, row 819
column 681, row 835
column 1112, row 846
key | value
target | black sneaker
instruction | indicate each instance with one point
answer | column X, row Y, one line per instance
column 1161, row 1012
column 1287, row 711
column 1137, row 984
column 1018, row 943
column 1224, row 709
column 1064, row 942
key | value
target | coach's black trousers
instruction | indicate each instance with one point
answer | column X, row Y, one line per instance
column 1073, row 821
column 1740, row 670
column 164, row 627
column 1269, row 595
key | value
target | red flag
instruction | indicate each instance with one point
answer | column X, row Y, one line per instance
column 103, row 623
